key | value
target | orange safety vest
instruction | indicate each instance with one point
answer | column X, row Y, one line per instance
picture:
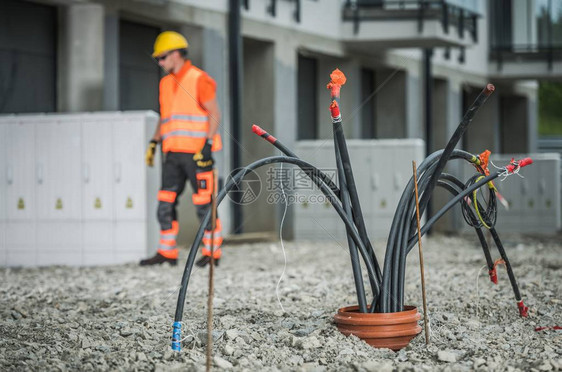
column 184, row 123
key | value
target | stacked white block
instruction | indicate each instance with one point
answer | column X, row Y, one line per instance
column 534, row 200
column 381, row 170
column 75, row 189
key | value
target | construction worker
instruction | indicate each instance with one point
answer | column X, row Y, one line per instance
column 189, row 119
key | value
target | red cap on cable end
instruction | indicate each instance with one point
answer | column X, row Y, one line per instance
column 493, row 275
column 337, row 80
column 334, row 109
column 523, row 310
column 525, row 161
column 257, row 130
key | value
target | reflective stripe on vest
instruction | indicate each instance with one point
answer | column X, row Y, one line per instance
column 184, row 133
column 203, row 118
column 184, row 122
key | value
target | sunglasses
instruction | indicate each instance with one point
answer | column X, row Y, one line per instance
column 161, row 58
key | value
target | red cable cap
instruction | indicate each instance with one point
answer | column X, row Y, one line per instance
column 493, row 275
column 258, row 130
column 523, row 310
column 334, row 109
column 525, row 161
column 338, row 77
column 337, row 80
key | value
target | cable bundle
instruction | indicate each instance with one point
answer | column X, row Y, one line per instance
column 387, row 286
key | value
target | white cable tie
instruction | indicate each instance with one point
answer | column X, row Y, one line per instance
column 491, row 162
column 477, row 294
column 282, row 244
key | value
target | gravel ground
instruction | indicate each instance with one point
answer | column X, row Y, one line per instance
column 119, row 317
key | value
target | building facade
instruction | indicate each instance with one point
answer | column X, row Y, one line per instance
column 413, row 67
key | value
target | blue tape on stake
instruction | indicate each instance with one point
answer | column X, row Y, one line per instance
column 176, row 337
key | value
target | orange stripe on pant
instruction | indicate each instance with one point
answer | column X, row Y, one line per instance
column 217, row 252
column 167, row 247
column 167, row 196
column 204, row 188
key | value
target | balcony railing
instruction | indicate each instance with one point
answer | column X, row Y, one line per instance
column 421, row 10
column 526, row 53
column 272, row 8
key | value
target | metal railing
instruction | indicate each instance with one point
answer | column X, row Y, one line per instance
column 272, row 8
column 526, row 52
column 450, row 15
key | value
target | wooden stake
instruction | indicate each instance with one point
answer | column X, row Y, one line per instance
column 425, row 322
column 211, row 275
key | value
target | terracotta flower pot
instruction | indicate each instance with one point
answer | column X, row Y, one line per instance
column 382, row 330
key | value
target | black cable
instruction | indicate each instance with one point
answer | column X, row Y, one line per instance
column 503, row 255
column 487, row 215
column 467, row 119
column 471, row 216
column 355, row 265
column 234, row 181
column 342, row 152
column 455, row 191
column 397, row 239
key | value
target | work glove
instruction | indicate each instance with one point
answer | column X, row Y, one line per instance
column 149, row 155
column 204, row 158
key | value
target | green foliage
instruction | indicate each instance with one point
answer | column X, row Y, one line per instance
column 550, row 108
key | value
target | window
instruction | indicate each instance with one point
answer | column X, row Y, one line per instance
column 368, row 126
column 139, row 74
column 27, row 57
column 307, row 99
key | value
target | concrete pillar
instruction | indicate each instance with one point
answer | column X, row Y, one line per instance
column 285, row 110
column 81, row 58
column 532, row 123
column 352, row 90
column 514, row 118
column 482, row 133
column 390, row 102
column 447, row 106
column 454, row 107
column 211, row 52
column 414, row 105
column 440, row 110
column 194, row 36
column 111, row 62
column 258, row 108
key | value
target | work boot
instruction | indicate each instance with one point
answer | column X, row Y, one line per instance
column 203, row 261
column 158, row 259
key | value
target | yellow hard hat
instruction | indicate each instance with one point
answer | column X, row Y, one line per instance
column 167, row 41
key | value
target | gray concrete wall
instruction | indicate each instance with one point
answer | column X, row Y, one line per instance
column 111, row 61
column 447, row 104
column 285, row 112
column 81, row 58
column 391, row 109
column 514, row 118
column 258, row 109
column 532, row 124
column 440, row 114
column 483, row 131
